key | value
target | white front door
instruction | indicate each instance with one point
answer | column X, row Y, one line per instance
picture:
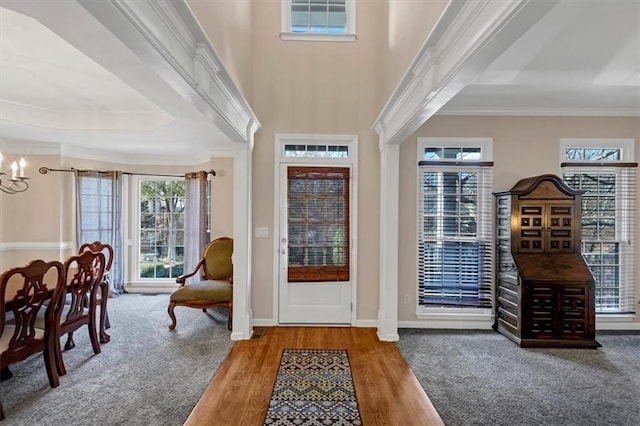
column 314, row 245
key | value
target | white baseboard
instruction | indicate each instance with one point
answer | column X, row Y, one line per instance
column 237, row 335
column 366, row 323
column 264, row 322
column 137, row 288
column 271, row 322
column 488, row 325
column 622, row 326
column 450, row 324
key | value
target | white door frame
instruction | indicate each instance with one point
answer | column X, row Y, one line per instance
column 351, row 141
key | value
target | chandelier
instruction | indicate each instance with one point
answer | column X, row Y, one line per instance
column 18, row 181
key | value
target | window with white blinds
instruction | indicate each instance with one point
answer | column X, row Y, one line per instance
column 455, row 249
column 608, row 220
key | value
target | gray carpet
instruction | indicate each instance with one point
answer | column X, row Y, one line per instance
column 146, row 375
column 482, row 378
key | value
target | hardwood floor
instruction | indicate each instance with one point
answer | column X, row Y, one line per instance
column 388, row 392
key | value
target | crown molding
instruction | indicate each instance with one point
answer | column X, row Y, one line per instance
column 167, row 30
column 87, row 119
column 568, row 111
column 20, row 147
column 149, row 158
column 466, row 38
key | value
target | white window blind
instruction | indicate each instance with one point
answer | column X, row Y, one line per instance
column 608, row 223
column 455, row 250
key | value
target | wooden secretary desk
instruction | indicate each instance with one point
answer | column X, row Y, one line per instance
column 545, row 290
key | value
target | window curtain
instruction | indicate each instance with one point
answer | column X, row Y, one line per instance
column 99, row 217
column 196, row 236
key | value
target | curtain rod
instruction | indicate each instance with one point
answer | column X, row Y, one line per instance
column 45, row 170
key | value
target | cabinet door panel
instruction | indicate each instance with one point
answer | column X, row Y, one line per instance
column 546, row 228
column 532, row 226
column 559, row 228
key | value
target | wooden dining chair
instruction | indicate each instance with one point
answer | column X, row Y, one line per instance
column 40, row 296
column 103, row 291
column 83, row 277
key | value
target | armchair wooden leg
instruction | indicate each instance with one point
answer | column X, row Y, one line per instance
column 172, row 316
column 104, row 296
column 51, row 364
column 57, row 354
column 93, row 334
column 70, row 343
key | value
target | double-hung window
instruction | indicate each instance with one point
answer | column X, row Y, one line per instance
column 329, row 20
column 603, row 169
column 455, row 250
column 160, row 230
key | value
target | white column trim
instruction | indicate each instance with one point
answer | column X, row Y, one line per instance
column 389, row 188
column 466, row 39
column 242, row 224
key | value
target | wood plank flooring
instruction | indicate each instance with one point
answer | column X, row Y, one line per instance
column 388, row 392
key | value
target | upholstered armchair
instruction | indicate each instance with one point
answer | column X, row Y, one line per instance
column 213, row 288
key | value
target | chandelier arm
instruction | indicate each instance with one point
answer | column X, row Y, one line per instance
column 15, row 186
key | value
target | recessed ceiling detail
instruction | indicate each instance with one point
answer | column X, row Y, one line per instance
column 583, row 58
column 47, row 83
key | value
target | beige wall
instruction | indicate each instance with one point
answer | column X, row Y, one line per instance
column 228, row 24
column 407, row 24
column 522, row 147
column 37, row 218
column 44, row 215
column 317, row 88
column 221, row 197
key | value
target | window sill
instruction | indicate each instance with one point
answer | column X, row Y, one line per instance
column 615, row 317
column 469, row 314
column 317, row 37
column 160, row 286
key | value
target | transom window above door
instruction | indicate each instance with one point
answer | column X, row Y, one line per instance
column 318, row 20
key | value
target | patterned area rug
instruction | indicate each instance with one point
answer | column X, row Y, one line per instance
column 313, row 387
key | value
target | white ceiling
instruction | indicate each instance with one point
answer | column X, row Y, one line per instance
column 582, row 58
column 73, row 86
column 81, row 88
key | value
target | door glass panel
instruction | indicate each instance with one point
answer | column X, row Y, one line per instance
column 318, row 224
